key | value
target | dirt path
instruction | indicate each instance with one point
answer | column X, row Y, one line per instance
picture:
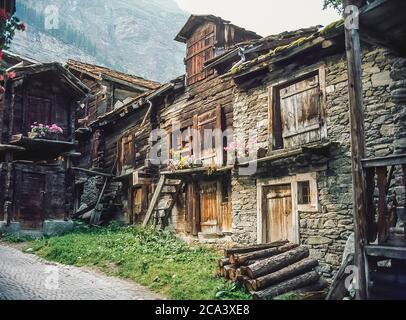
column 27, row 277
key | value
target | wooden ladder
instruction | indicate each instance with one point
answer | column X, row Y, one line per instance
column 174, row 188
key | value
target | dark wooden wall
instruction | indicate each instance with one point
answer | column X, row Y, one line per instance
column 41, row 100
column 40, row 194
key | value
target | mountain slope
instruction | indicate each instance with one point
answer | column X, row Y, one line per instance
column 133, row 36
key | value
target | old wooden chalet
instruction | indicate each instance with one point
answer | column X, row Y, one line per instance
column 106, row 148
column 37, row 117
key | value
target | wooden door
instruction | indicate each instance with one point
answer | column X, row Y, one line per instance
column 31, row 208
column 209, row 207
column 279, row 215
column 39, row 110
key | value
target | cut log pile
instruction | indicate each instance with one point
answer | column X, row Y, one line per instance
column 270, row 270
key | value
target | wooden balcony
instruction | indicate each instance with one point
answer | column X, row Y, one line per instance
column 385, row 251
column 383, row 215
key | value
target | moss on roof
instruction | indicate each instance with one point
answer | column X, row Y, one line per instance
column 326, row 31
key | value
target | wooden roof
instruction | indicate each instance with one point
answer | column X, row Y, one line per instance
column 196, row 20
column 383, row 23
column 9, row 6
column 66, row 77
column 99, row 73
column 261, row 46
column 322, row 39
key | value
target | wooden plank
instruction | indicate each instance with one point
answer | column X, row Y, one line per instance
column 354, row 66
column 395, row 160
column 404, row 189
column 370, row 205
column 383, row 226
column 154, row 200
column 386, row 252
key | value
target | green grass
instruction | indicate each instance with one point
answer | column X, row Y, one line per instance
column 157, row 260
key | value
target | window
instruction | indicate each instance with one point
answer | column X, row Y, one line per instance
column 297, row 110
column 303, row 193
column 307, row 194
column 181, row 143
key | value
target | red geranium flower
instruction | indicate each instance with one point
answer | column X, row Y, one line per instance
column 21, row 26
column 12, row 75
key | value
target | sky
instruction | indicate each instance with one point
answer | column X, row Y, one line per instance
column 265, row 17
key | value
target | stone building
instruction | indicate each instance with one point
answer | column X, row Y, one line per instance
column 304, row 192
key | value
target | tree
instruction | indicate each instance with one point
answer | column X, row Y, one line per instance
column 335, row 4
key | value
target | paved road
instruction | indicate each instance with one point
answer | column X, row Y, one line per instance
column 27, row 277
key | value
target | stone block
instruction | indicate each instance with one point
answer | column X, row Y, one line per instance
column 13, row 228
column 318, row 241
column 53, row 228
column 381, row 79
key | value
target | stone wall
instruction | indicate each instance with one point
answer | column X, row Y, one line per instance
column 325, row 232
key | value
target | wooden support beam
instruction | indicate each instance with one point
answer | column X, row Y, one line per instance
column 353, row 50
column 93, row 173
column 370, row 205
column 404, row 189
column 155, row 200
column 383, row 227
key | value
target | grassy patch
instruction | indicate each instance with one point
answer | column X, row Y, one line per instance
column 157, row 260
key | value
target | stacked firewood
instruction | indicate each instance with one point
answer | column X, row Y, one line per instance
column 271, row 270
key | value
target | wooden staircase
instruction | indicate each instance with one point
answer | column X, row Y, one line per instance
column 167, row 189
column 386, row 274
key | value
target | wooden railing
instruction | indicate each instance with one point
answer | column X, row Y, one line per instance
column 380, row 174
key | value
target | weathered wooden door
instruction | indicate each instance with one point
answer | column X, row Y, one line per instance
column 279, row 217
column 31, row 194
column 209, row 208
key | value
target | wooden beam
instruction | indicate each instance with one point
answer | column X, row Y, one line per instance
column 404, row 189
column 155, row 200
column 386, row 252
column 383, row 227
column 353, row 50
column 93, row 173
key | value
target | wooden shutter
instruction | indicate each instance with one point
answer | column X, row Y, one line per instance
column 211, row 120
column 128, row 151
column 200, row 48
column 300, row 106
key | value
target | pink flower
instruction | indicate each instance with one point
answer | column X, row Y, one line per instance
column 12, row 75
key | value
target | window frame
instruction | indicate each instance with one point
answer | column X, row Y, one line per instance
column 293, row 180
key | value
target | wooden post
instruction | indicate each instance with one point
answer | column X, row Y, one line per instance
column 353, row 49
column 370, row 205
column 8, row 191
column 404, row 184
column 383, row 227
